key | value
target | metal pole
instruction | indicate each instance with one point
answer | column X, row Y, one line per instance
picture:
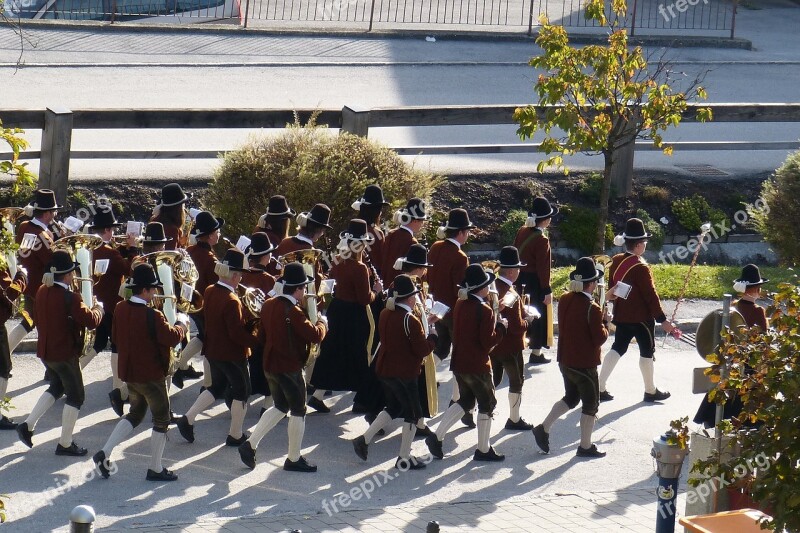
column 371, row 15
column 530, row 20
column 81, row 519
column 633, row 22
column 246, row 12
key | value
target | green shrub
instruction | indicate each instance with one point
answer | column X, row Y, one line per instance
column 652, row 227
column 654, row 194
column 694, row 211
column 579, row 226
column 590, row 187
column 508, row 229
column 438, row 218
column 776, row 215
column 309, row 164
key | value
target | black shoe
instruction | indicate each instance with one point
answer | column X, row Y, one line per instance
column 6, row 423
column 102, row 463
column 177, row 378
column 230, row 441
column 262, row 411
column 248, row 455
column 301, row 465
column 468, row 420
column 359, row 409
column 538, row 360
column 491, row 455
column 191, row 373
column 73, row 450
column 173, row 418
column 592, row 453
column 164, row 475
column 25, row 434
column 605, row 396
column 434, row 446
column 423, row 432
column 519, row 425
column 542, row 438
column 328, row 393
column 318, row 405
column 412, row 463
column 361, row 447
column 657, row 396
column 185, row 428
column 116, row 401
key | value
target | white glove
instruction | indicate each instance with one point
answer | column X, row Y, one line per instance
column 323, row 319
column 183, row 318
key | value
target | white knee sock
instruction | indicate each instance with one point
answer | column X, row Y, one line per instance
column 648, row 374
column 536, row 351
column 203, row 402
column 406, row 439
column 378, row 424
column 68, row 419
column 456, row 393
column 319, row 394
column 158, row 441
column 44, row 403
column 192, row 349
column 268, row 420
column 297, row 426
column 3, row 387
column 609, row 362
column 87, row 357
column 121, row 430
column 421, row 423
column 267, row 402
column 559, row 409
column 587, row 424
column 514, row 402
column 450, row 417
column 238, row 410
column 484, row 431
column 15, row 336
column 206, row 373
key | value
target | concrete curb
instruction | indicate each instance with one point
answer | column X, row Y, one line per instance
column 450, row 35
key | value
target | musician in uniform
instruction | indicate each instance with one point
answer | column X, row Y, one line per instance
column 635, row 316
column 34, row 255
column 107, row 289
column 534, row 279
column 476, row 331
column 227, row 344
column 207, row 233
column 311, row 226
column 59, row 347
column 287, row 334
column 584, row 328
column 144, row 339
column 171, row 213
column 10, row 290
column 259, row 256
column 507, row 355
column 343, row 362
column 411, row 220
column 369, row 207
column 399, row 362
column 748, row 285
column 275, row 222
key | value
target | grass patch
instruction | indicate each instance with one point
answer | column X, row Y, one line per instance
column 706, row 282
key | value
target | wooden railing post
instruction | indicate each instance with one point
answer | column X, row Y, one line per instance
column 56, row 145
column 355, row 120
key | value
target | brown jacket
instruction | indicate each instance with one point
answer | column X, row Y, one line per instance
column 205, row 261
column 374, row 255
column 144, row 351
column 514, row 338
column 259, row 279
column 642, row 303
column 352, row 282
column 583, row 331
column 227, row 337
column 171, row 231
column 474, row 336
column 119, row 267
column 395, row 245
column 534, row 251
column 403, row 346
column 287, row 332
column 9, row 293
column 58, row 333
column 35, row 260
column 753, row 314
column 449, row 264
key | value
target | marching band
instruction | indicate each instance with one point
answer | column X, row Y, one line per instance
column 260, row 326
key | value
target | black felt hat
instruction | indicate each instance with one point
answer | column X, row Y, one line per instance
column 403, row 287
column 586, row 270
column 259, row 245
column 104, row 217
column 357, row 231
column 144, row 276
column 476, row 278
column 417, row 209
column 154, row 233
column 373, row 195
column 206, row 223
column 417, row 255
column 279, row 207
column 45, row 200
column 234, row 260
column 635, row 230
column 319, row 214
column 509, row 258
column 294, row 275
column 458, row 219
column 541, row 208
column 172, row 194
column 61, row 263
column 751, row 276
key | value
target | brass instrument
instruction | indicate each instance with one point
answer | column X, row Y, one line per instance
column 309, row 258
column 186, row 228
column 80, row 247
column 122, row 241
column 602, row 262
column 429, row 363
column 493, row 266
column 182, row 270
column 9, row 217
column 253, row 299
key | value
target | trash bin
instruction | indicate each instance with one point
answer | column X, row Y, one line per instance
column 669, row 461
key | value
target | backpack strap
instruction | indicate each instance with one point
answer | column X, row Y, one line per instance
column 536, row 233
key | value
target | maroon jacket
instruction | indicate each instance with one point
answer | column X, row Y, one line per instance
column 35, row 260
column 642, row 302
column 352, row 282
column 119, row 267
column 205, row 261
column 534, row 251
column 227, row 337
column 580, row 320
column 404, row 345
column 474, row 336
column 514, row 338
column 395, row 245
column 285, row 343
column 58, row 335
column 753, row 314
column 449, row 264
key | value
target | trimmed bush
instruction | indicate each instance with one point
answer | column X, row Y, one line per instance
column 777, row 222
column 578, row 228
column 654, row 194
column 309, row 164
column 653, row 227
column 694, row 211
column 508, row 229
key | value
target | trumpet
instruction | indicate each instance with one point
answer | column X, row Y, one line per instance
column 121, row 241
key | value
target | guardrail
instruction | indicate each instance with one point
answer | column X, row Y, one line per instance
column 57, row 125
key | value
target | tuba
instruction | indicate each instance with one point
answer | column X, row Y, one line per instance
column 429, row 363
column 9, row 217
column 80, row 247
column 175, row 270
column 309, row 258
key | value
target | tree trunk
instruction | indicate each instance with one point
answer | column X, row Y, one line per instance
column 605, row 193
